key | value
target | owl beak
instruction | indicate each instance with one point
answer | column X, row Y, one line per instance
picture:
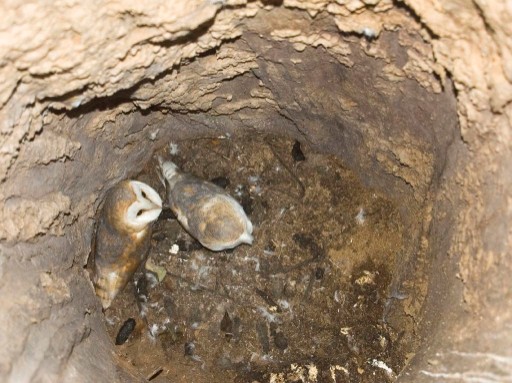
column 155, row 206
column 151, row 211
column 156, row 200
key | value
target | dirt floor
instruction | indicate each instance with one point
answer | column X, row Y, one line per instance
column 307, row 302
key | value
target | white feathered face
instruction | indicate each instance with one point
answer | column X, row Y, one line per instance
column 145, row 209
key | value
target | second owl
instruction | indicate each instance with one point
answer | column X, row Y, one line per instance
column 205, row 210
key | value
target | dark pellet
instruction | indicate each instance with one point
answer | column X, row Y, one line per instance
column 190, row 348
column 226, row 324
column 319, row 273
column 125, row 331
column 222, row 182
column 280, row 341
column 297, row 153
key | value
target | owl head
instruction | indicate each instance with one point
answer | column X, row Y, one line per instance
column 132, row 206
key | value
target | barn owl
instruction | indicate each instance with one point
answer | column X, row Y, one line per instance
column 122, row 236
column 205, row 210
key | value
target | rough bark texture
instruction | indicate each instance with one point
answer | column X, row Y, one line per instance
column 88, row 90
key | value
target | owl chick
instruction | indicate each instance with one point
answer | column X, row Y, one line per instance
column 205, row 210
column 123, row 235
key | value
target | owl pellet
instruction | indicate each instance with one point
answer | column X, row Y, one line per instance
column 125, row 331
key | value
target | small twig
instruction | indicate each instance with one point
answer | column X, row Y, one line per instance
column 157, row 372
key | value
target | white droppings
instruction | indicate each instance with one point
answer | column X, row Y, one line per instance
column 152, row 280
column 265, row 314
column 360, row 217
column 195, row 325
column 238, row 190
column 110, row 321
column 143, row 310
column 226, row 136
column 382, row 365
column 369, row 33
column 173, row 149
column 284, row 304
column 153, row 135
column 153, row 330
column 174, row 249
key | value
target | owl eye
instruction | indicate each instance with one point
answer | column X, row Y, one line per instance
column 144, row 194
column 139, row 213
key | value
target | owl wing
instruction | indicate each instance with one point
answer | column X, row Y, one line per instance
column 188, row 193
column 218, row 223
column 113, row 248
column 117, row 257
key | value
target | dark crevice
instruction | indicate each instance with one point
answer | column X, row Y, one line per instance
column 115, row 100
column 191, row 37
column 410, row 12
column 481, row 13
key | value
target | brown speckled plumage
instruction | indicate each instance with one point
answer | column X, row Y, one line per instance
column 118, row 249
column 206, row 211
